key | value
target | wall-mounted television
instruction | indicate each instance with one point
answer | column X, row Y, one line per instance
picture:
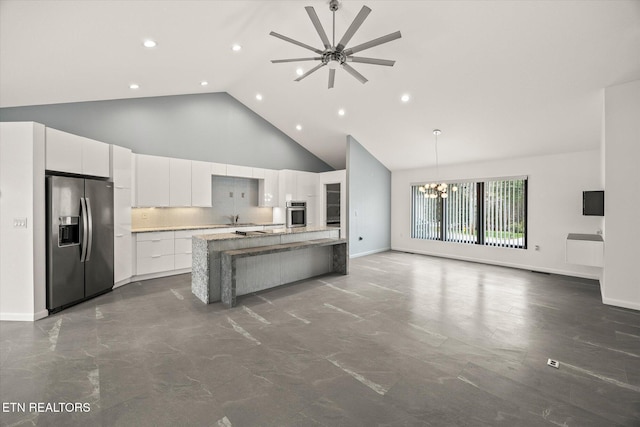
column 593, row 203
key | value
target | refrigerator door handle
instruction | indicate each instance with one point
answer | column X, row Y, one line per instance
column 90, row 242
column 85, row 231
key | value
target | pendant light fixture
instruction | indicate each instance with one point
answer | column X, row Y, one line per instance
column 436, row 189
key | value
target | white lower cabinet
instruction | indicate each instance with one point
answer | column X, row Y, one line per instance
column 182, row 245
column 155, row 252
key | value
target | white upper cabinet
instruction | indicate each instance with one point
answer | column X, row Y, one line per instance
column 121, row 162
column 240, row 171
column 258, row 173
column 268, row 189
column 306, row 184
column 152, row 180
column 179, row 182
column 286, row 186
column 201, row 184
column 95, row 158
column 218, row 169
column 70, row 153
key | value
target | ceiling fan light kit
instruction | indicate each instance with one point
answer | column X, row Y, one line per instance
column 337, row 56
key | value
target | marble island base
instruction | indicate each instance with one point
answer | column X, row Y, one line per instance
column 230, row 265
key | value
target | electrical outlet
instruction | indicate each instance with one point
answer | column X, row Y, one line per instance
column 537, row 247
column 553, row 363
column 230, row 193
column 20, row 223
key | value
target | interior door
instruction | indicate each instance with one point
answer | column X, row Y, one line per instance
column 98, row 270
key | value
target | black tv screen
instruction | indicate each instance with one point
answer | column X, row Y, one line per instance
column 593, row 203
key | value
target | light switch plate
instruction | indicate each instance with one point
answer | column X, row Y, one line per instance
column 20, row 223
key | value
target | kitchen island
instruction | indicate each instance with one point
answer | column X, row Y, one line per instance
column 228, row 265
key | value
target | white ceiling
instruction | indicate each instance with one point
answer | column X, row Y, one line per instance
column 502, row 79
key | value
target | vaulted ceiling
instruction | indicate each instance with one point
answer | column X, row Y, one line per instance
column 502, row 79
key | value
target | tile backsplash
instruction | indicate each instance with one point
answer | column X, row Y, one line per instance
column 230, row 196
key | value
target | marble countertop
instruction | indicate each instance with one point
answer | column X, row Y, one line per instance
column 265, row 233
column 201, row 227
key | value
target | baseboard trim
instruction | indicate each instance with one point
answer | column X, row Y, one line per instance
column 375, row 251
column 621, row 303
column 122, row 283
column 23, row 317
column 502, row 264
column 160, row 274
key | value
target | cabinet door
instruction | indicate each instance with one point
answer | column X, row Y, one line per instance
column 286, row 187
column 122, row 251
column 121, row 166
column 240, row 171
column 122, row 256
column 95, row 158
column 201, row 184
column 152, row 181
column 268, row 189
column 180, row 182
column 306, row 184
column 63, row 151
column 258, row 173
column 218, row 169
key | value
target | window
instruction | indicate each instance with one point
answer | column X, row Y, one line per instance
column 491, row 213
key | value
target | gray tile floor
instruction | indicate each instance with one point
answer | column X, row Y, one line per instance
column 404, row 340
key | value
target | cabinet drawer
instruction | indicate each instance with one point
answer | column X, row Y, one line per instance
column 182, row 261
column 154, row 236
column 147, row 265
column 150, row 249
column 186, row 234
column 183, row 245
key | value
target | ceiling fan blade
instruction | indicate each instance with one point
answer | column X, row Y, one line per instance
column 278, row 61
column 316, row 23
column 354, row 73
column 373, row 43
column 290, row 40
column 357, row 22
column 316, row 68
column 332, row 77
column 374, row 61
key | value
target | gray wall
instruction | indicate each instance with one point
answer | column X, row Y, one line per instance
column 210, row 127
column 368, row 202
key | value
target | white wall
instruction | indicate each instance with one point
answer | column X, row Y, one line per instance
column 368, row 201
column 22, row 195
column 556, row 183
column 621, row 284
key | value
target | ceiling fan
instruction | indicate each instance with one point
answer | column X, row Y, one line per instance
column 338, row 55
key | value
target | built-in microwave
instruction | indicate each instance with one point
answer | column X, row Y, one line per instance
column 296, row 214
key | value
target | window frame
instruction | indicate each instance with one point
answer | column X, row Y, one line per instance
column 479, row 214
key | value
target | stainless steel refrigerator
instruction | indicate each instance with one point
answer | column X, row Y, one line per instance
column 79, row 239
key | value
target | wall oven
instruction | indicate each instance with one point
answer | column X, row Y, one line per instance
column 296, row 214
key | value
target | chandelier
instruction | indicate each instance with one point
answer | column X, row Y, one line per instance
column 436, row 189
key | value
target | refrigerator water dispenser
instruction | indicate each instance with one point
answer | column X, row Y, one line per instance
column 69, row 231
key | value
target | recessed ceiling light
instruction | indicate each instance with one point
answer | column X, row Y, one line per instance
column 299, row 71
column 341, row 112
column 236, row 48
column 405, row 98
column 204, row 83
column 298, row 127
column 150, row 43
column 134, row 86
column 259, row 97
